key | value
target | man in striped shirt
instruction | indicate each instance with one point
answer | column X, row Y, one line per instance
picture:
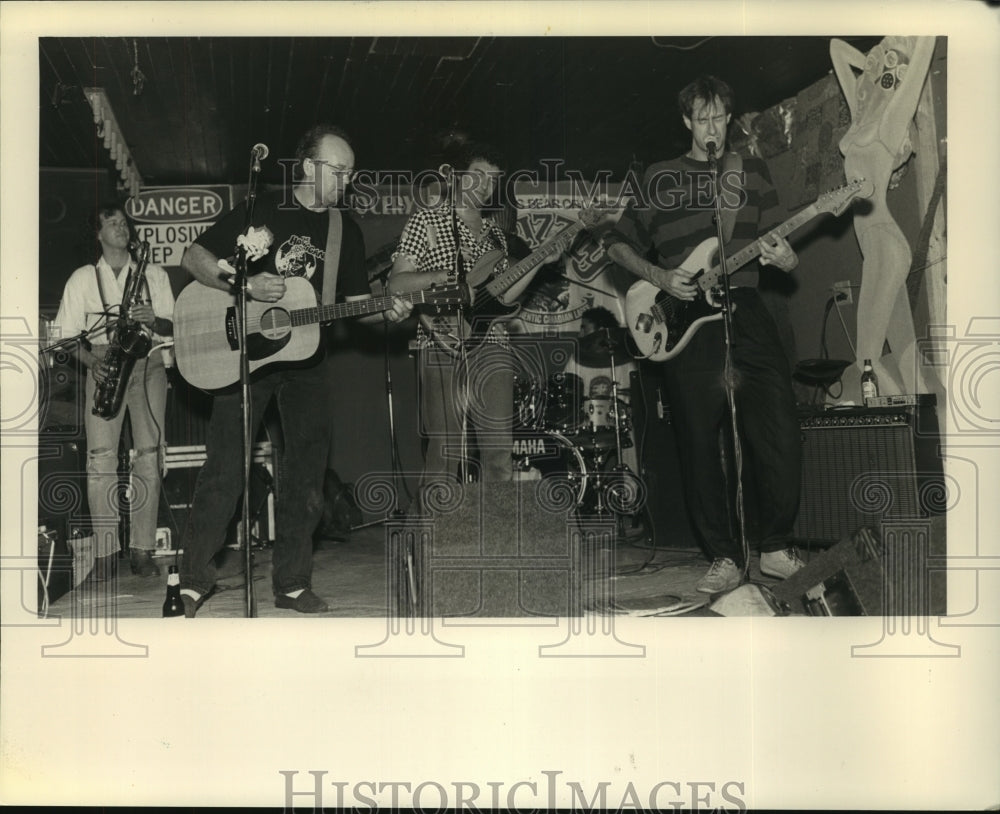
column 678, row 213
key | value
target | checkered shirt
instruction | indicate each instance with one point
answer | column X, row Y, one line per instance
column 428, row 240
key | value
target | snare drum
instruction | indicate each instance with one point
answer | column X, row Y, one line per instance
column 597, row 413
column 597, row 430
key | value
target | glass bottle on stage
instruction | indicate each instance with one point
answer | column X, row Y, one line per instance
column 869, row 382
column 173, row 606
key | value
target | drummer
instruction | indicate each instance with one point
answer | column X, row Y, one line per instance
column 593, row 365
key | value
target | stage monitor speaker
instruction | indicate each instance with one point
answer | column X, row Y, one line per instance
column 659, row 466
column 499, row 550
column 861, row 466
column 868, row 574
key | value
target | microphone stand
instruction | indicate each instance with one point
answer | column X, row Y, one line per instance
column 729, row 377
column 240, row 283
column 463, row 359
column 397, row 474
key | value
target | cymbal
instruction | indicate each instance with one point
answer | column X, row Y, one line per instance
column 595, row 349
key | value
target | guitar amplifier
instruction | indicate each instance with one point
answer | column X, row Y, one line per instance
column 864, row 465
column 182, row 465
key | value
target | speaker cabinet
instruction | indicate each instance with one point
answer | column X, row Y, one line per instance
column 862, row 466
column 498, row 550
column 62, row 481
column 182, row 467
column 188, row 412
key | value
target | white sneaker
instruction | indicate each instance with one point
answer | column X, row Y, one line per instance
column 781, row 564
column 722, row 576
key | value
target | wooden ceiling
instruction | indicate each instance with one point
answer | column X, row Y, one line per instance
column 191, row 108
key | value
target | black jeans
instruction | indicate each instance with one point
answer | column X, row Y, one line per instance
column 304, row 398
column 768, row 421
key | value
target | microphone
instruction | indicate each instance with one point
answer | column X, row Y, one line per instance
column 258, row 152
column 710, row 147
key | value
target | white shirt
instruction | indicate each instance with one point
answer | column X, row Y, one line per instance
column 81, row 308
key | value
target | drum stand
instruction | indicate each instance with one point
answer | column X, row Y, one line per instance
column 620, row 469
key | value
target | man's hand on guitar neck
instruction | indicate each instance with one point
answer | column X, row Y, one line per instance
column 776, row 251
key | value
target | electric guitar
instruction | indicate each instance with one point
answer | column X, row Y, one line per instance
column 662, row 325
column 485, row 290
column 207, row 335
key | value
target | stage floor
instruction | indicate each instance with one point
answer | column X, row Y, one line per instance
column 354, row 579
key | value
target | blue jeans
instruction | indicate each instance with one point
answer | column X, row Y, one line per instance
column 304, row 398
column 146, row 405
column 482, row 388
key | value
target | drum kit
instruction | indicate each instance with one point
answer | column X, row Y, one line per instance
column 562, row 431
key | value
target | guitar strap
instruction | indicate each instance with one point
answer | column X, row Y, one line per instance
column 109, row 328
column 331, row 260
column 731, row 162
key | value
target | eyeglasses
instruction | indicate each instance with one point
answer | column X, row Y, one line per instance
column 337, row 170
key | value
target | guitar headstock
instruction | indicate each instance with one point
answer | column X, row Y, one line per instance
column 837, row 200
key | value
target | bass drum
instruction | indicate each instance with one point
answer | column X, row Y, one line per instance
column 548, row 454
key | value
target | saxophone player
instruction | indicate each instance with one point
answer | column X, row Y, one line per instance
column 92, row 301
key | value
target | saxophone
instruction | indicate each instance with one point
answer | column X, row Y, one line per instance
column 129, row 344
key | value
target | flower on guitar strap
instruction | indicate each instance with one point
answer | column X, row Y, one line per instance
column 257, row 242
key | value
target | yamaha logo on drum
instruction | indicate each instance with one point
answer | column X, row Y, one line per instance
column 529, row 446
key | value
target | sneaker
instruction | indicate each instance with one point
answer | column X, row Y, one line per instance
column 781, row 564
column 722, row 576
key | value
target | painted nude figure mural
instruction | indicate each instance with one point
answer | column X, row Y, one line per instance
column 883, row 100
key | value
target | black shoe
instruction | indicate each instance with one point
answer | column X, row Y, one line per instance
column 305, row 602
column 191, row 605
column 142, row 563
